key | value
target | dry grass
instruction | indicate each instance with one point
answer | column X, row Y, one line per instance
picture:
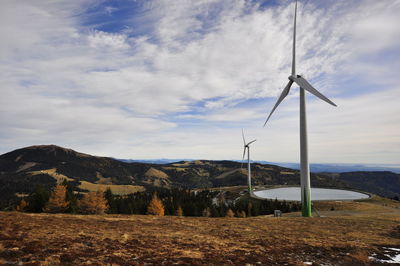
column 225, row 174
column 383, row 201
column 116, row 189
column 21, row 195
column 182, row 164
column 263, row 167
column 103, row 180
column 53, row 173
column 137, row 240
column 152, row 172
column 201, row 172
column 287, row 173
column 375, row 205
column 178, row 169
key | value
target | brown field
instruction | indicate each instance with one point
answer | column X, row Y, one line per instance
column 346, row 236
column 116, row 189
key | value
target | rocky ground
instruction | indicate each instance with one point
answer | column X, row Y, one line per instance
column 337, row 239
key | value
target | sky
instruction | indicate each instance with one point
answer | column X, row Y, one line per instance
column 145, row 79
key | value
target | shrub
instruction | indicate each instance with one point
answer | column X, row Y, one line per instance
column 241, row 214
column 206, row 212
column 230, row 213
column 179, row 211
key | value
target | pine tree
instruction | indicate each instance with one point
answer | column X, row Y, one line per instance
column 93, row 203
column 111, row 201
column 38, row 199
column 57, row 201
column 155, row 207
column 22, row 206
column 70, row 197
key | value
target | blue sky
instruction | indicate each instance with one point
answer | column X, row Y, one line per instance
column 180, row 79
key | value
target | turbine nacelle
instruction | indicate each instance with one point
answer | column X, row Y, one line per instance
column 246, row 145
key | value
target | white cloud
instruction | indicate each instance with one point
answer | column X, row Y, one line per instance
column 99, row 39
column 186, row 79
column 377, row 27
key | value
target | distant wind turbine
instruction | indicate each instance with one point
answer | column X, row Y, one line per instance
column 304, row 85
column 247, row 146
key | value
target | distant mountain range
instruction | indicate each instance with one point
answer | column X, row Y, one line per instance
column 345, row 167
column 314, row 167
column 24, row 169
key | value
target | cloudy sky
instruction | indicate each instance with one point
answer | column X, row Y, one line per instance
column 180, row 79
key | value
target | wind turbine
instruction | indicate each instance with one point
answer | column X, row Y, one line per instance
column 247, row 146
column 304, row 86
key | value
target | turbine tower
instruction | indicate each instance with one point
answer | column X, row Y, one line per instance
column 304, row 86
column 247, row 146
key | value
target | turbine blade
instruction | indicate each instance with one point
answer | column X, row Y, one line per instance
column 294, row 42
column 244, row 141
column 250, row 142
column 284, row 93
column 307, row 86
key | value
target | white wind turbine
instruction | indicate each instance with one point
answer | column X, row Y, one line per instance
column 247, row 146
column 304, row 86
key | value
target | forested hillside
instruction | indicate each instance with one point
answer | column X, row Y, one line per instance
column 23, row 170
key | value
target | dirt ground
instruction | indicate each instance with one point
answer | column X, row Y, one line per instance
column 337, row 239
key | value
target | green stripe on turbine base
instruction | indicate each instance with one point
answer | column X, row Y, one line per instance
column 306, row 205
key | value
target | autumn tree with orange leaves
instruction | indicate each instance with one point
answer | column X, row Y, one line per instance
column 57, row 201
column 22, row 206
column 156, row 207
column 93, row 203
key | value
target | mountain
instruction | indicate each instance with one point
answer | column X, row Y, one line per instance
column 344, row 167
column 314, row 167
column 22, row 170
column 153, row 161
column 382, row 183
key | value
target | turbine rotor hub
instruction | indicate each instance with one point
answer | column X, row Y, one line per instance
column 293, row 77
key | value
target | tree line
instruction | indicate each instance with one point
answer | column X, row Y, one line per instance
column 155, row 201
